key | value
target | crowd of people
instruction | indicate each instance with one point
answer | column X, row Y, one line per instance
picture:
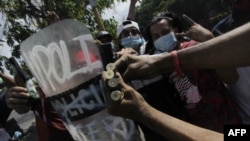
column 178, row 85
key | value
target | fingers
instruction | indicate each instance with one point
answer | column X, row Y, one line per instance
column 125, row 51
column 17, row 97
column 18, row 92
column 14, row 103
column 105, row 87
column 121, row 83
column 121, row 64
column 189, row 20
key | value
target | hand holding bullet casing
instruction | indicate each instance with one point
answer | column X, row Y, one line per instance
column 112, row 81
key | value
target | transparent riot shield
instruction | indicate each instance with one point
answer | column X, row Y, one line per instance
column 68, row 66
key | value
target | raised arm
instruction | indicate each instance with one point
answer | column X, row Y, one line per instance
column 131, row 12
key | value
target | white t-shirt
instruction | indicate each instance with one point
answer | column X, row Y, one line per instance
column 241, row 93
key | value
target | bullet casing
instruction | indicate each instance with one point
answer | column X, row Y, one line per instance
column 109, row 74
column 111, row 66
column 117, row 95
column 113, row 83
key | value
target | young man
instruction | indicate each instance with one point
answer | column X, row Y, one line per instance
column 201, row 90
column 130, row 39
column 198, row 89
column 158, row 92
column 208, row 56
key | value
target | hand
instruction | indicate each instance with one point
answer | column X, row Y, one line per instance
column 130, row 106
column 126, row 51
column 196, row 31
column 16, row 98
column 52, row 17
column 136, row 67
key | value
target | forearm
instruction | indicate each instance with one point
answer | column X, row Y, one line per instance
column 175, row 129
column 131, row 12
column 228, row 50
column 207, row 35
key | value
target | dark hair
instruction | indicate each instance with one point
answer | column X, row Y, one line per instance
column 172, row 19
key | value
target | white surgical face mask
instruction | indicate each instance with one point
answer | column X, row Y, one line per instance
column 166, row 43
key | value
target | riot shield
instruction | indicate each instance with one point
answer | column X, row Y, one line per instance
column 67, row 65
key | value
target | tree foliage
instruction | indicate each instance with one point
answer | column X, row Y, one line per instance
column 25, row 17
column 202, row 11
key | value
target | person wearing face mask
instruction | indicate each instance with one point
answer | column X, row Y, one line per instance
column 130, row 39
column 201, row 91
column 158, row 92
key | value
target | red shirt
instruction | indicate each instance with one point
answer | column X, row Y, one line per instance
column 207, row 101
column 50, row 126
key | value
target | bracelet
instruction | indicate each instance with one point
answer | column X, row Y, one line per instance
column 176, row 63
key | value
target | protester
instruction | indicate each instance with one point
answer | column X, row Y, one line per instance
column 239, row 15
column 104, row 37
column 133, row 106
column 130, row 39
column 48, row 123
column 198, row 89
column 208, row 56
column 129, row 35
column 216, row 53
column 158, row 92
column 238, row 78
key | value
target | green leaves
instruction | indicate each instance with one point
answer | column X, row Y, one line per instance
column 199, row 10
column 25, row 17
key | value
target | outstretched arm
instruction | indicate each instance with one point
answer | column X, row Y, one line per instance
column 133, row 106
column 175, row 129
column 230, row 50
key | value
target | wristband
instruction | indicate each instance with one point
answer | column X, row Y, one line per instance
column 176, row 63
